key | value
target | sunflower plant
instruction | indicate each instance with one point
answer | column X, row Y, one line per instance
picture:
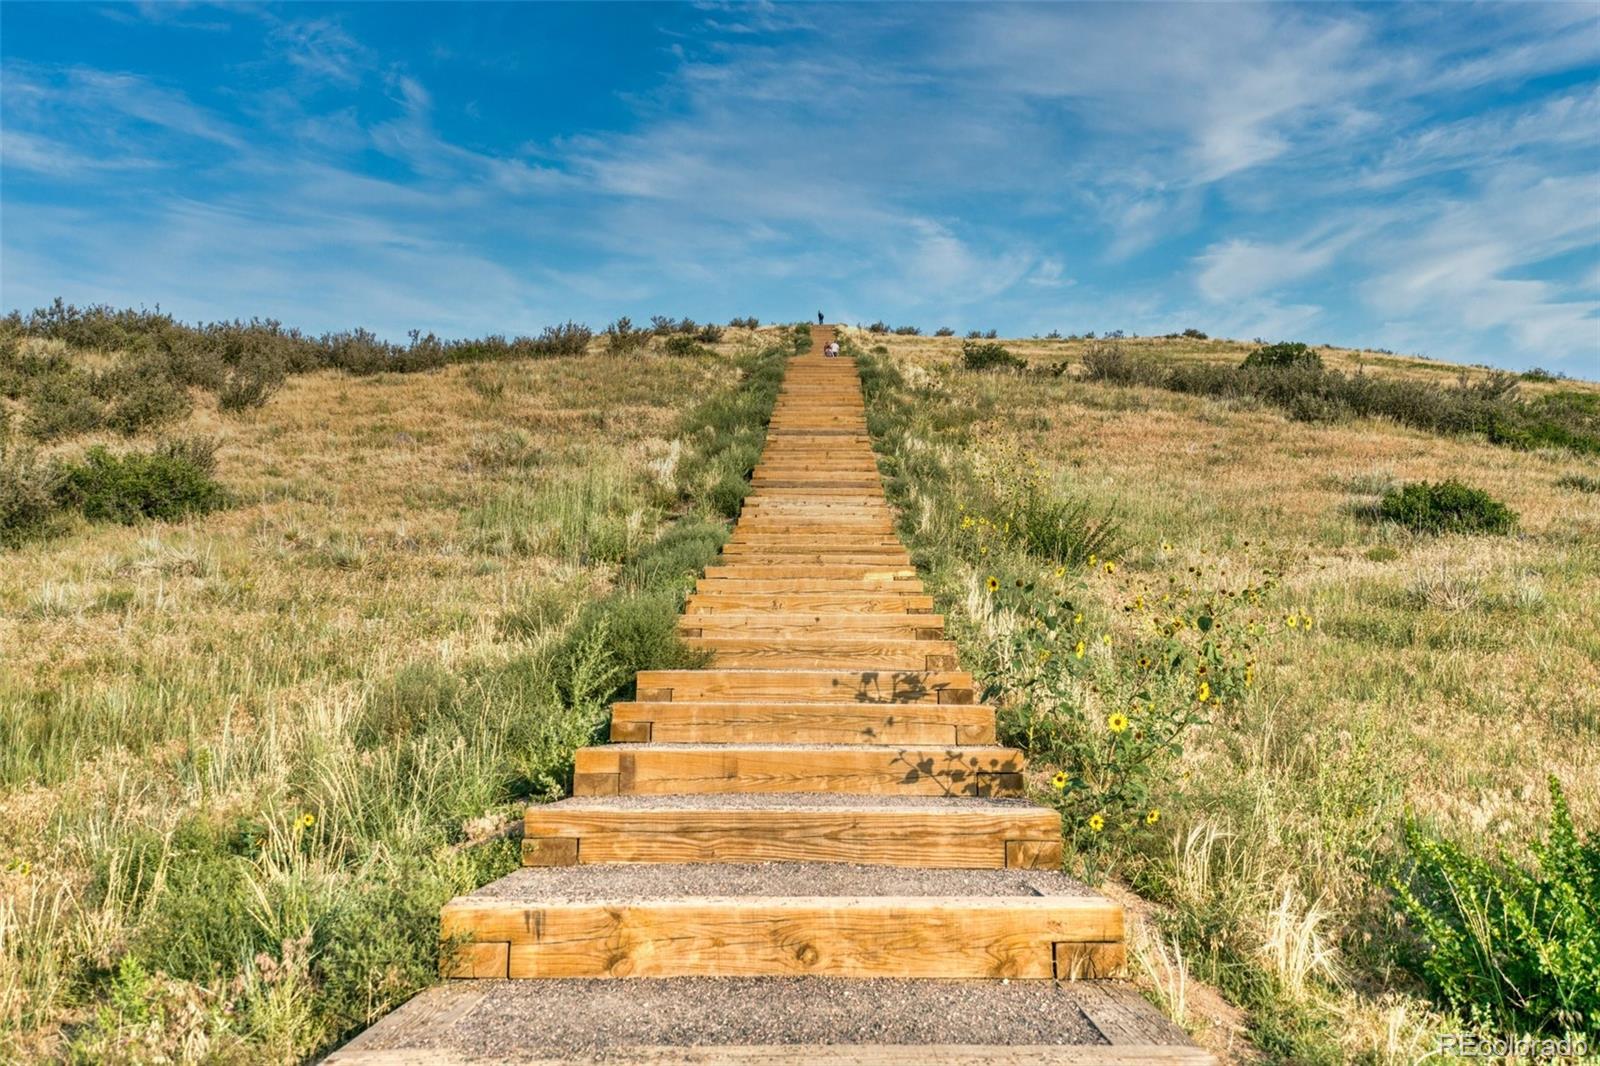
column 1109, row 696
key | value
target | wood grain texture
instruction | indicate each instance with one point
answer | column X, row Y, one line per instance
column 870, row 770
column 845, row 936
column 953, row 839
column 849, row 686
column 827, row 653
column 690, row 721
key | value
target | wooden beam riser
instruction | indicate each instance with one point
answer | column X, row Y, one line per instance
column 905, row 936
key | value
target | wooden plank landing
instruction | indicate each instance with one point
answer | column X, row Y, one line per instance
column 759, row 818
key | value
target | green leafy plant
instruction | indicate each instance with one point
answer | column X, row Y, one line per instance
column 976, row 356
column 1013, row 503
column 173, row 481
column 1515, row 949
column 1110, row 711
column 1289, row 355
column 1446, row 507
column 681, row 344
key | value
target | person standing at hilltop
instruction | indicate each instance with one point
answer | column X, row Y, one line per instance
column 819, row 318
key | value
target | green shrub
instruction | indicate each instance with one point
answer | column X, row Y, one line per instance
column 173, row 481
column 1446, row 507
column 944, row 331
column 62, row 405
column 570, row 338
column 623, row 339
column 1194, row 334
column 141, row 393
column 748, row 322
column 975, row 356
column 250, row 385
column 28, row 493
column 708, row 334
column 878, row 327
column 682, row 344
column 1290, row 355
column 908, row 331
column 1515, row 950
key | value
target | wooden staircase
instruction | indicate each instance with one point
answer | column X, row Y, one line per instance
column 826, row 800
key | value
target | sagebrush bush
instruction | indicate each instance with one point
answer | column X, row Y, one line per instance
column 747, row 322
column 908, row 331
column 570, row 338
column 1514, row 949
column 28, row 492
column 1446, row 507
column 62, row 405
column 944, row 331
column 250, row 384
column 1110, row 362
column 989, row 357
column 168, row 483
column 140, row 394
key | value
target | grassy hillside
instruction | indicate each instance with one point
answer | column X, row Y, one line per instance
column 245, row 752
column 246, row 755
column 1391, row 672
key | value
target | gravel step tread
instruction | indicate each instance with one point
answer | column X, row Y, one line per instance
column 644, row 881
column 597, row 1020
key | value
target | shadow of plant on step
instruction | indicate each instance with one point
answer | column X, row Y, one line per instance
column 902, row 687
column 958, row 773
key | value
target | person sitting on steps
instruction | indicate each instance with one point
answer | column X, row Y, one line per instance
column 831, row 350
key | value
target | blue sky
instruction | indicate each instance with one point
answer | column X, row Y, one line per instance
column 1421, row 178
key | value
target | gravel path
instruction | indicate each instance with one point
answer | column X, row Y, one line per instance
column 489, row 1018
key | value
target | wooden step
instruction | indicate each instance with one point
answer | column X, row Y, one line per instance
column 872, row 830
column 746, row 554
column 772, row 571
column 822, row 920
column 822, row 686
column 777, row 722
column 913, row 770
column 768, row 624
column 784, row 586
column 826, row 653
column 876, row 601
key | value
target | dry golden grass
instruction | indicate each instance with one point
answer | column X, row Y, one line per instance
column 1445, row 676
column 155, row 675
